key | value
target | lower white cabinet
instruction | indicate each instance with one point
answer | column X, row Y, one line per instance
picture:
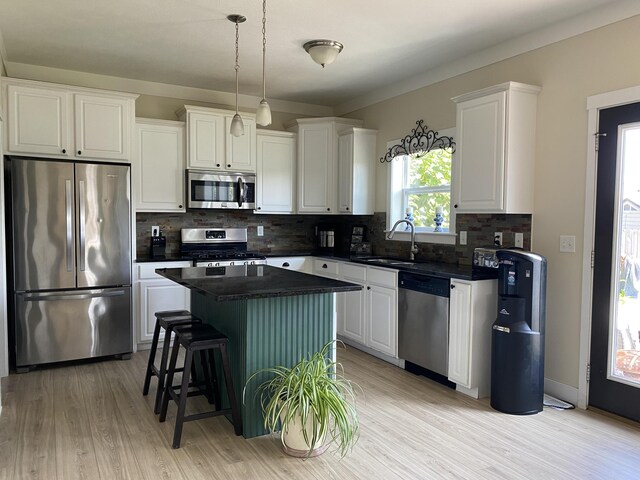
column 298, row 264
column 156, row 293
column 368, row 317
column 472, row 311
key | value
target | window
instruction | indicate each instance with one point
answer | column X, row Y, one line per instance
column 427, row 188
column 422, row 182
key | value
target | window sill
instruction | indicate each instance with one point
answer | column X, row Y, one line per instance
column 444, row 238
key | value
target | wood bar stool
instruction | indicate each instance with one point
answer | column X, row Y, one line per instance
column 206, row 340
column 167, row 319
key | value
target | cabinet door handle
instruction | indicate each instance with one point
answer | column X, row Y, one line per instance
column 259, row 208
column 368, row 288
column 328, row 209
column 64, row 150
column 325, row 266
column 455, row 205
column 79, row 152
column 228, row 165
column 452, row 287
column 286, row 264
column 179, row 206
column 217, row 164
column 347, row 209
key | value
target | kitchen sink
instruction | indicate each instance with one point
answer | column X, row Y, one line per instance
column 387, row 261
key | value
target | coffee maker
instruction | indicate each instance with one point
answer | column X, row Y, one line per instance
column 517, row 337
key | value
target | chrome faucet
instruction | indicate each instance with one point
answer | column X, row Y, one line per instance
column 414, row 248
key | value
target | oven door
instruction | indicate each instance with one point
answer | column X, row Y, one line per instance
column 216, row 190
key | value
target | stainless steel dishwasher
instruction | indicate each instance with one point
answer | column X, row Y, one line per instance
column 423, row 320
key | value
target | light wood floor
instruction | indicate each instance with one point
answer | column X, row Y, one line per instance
column 91, row 421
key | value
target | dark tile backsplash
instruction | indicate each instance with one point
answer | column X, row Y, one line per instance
column 288, row 234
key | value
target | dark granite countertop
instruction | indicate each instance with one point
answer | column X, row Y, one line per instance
column 439, row 269
column 252, row 281
column 170, row 257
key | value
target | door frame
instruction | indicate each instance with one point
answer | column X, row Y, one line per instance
column 595, row 103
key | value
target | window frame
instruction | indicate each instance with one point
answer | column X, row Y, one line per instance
column 397, row 194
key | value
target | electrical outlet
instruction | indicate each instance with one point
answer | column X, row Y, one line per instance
column 518, row 240
column 568, row 243
column 497, row 238
column 155, row 231
column 463, row 237
column 260, row 231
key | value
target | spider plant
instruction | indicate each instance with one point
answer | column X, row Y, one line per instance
column 312, row 393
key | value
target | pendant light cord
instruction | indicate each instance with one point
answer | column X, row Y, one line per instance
column 237, row 67
column 264, row 48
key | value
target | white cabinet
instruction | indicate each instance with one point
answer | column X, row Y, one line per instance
column 298, row 264
column 158, row 170
column 51, row 120
column 318, row 162
column 210, row 146
column 495, row 152
column 39, row 120
column 472, row 311
column 156, row 293
column 356, row 171
column 275, row 175
column 369, row 317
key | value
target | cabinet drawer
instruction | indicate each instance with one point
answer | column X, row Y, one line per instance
column 148, row 270
column 357, row 273
column 383, row 277
column 325, row 268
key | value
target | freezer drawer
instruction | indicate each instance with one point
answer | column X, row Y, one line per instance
column 70, row 325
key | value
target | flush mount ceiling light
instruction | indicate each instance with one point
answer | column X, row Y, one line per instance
column 323, row 52
column 263, row 114
column 237, row 127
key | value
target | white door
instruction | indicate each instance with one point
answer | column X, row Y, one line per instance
column 241, row 151
column 316, row 168
column 480, row 155
column 206, row 141
column 158, row 295
column 158, row 168
column 345, row 173
column 460, row 333
column 382, row 331
column 275, row 177
column 38, row 121
column 102, row 127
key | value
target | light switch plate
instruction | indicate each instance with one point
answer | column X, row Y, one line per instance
column 497, row 238
column 155, row 231
column 568, row 243
column 463, row 237
column 518, row 240
column 260, row 231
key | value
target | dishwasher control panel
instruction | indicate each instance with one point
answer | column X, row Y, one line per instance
column 423, row 283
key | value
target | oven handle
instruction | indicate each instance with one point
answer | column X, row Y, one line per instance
column 241, row 192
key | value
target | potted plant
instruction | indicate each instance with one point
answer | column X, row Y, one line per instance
column 312, row 403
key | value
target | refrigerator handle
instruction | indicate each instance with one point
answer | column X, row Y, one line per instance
column 69, row 214
column 81, row 200
column 72, row 296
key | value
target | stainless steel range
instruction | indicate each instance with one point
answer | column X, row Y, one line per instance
column 218, row 247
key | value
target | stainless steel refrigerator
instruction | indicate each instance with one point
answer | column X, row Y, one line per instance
column 71, row 245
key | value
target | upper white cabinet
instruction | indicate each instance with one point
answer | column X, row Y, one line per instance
column 318, row 167
column 472, row 311
column 158, row 170
column 493, row 169
column 52, row 120
column 275, row 175
column 210, row 146
column 356, row 171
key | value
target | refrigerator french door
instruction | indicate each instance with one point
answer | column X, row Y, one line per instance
column 71, row 225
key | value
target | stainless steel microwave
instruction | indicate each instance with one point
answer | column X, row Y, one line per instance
column 221, row 190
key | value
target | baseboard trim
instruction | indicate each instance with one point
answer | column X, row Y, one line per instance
column 561, row 391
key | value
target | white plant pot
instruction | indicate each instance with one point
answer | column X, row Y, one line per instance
column 293, row 442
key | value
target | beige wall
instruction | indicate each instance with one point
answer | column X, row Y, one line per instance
column 568, row 72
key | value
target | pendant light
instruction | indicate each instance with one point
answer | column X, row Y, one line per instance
column 237, row 127
column 263, row 114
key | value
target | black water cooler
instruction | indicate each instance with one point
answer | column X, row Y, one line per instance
column 517, row 339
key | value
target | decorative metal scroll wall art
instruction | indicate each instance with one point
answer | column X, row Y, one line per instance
column 421, row 140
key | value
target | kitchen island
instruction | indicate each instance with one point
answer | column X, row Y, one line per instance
column 272, row 317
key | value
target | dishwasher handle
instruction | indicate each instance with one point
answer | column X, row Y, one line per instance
column 425, row 284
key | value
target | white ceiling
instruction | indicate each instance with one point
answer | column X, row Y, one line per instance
column 190, row 42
